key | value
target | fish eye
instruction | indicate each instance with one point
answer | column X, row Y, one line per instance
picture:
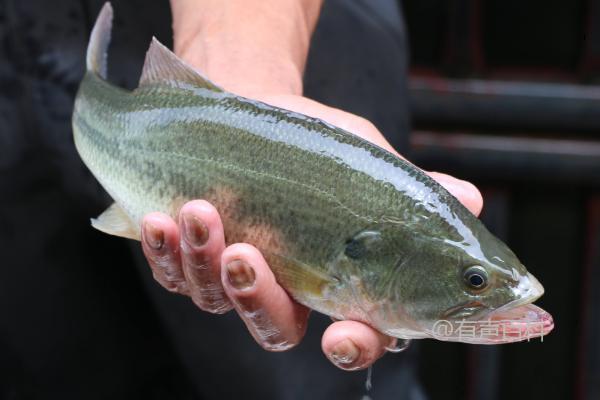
column 475, row 277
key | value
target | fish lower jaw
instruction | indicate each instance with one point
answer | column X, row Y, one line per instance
column 521, row 323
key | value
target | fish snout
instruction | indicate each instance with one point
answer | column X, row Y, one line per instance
column 528, row 290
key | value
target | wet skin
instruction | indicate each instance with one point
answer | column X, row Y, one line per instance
column 251, row 290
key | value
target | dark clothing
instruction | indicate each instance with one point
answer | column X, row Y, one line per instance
column 81, row 317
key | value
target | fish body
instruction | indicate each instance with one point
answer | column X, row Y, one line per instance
column 349, row 229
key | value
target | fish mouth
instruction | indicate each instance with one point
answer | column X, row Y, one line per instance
column 520, row 323
column 521, row 320
column 516, row 321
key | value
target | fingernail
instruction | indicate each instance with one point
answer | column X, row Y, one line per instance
column 240, row 274
column 196, row 232
column 154, row 236
column 345, row 353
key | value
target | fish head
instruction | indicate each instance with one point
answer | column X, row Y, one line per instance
column 494, row 296
column 478, row 291
column 420, row 285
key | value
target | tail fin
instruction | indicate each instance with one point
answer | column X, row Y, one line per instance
column 99, row 40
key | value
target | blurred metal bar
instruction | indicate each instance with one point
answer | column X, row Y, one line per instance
column 448, row 103
column 504, row 157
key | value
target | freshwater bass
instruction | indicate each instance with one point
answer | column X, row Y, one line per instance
column 348, row 228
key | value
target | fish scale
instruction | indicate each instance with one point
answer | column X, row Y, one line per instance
column 348, row 228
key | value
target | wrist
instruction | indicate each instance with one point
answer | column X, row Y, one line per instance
column 242, row 70
column 246, row 47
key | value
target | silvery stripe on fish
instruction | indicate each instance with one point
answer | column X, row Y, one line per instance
column 349, row 229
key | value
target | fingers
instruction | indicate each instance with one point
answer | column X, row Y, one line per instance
column 160, row 243
column 352, row 345
column 202, row 243
column 187, row 259
column 275, row 321
column 464, row 191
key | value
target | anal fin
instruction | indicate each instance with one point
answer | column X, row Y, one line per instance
column 115, row 221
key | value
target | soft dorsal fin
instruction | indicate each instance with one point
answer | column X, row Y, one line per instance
column 163, row 66
column 115, row 221
column 99, row 40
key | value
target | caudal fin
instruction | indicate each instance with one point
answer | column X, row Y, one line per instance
column 99, row 40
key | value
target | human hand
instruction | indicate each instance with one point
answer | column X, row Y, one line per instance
column 240, row 53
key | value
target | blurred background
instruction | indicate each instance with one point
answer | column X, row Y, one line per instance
column 503, row 93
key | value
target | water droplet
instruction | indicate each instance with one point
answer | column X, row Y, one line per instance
column 369, row 381
column 401, row 345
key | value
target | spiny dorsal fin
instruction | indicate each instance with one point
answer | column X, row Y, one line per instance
column 99, row 40
column 163, row 66
column 115, row 221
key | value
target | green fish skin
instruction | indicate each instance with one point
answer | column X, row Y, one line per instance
column 348, row 228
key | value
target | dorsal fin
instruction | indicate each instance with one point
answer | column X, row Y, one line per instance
column 99, row 40
column 163, row 66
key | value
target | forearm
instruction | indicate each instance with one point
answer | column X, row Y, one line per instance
column 247, row 46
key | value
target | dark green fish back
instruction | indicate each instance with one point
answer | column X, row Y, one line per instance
column 315, row 183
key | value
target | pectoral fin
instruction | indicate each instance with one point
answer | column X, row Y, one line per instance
column 297, row 277
column 310, row 286
column 115, row 221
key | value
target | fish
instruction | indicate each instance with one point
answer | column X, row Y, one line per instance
column 348, row 228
